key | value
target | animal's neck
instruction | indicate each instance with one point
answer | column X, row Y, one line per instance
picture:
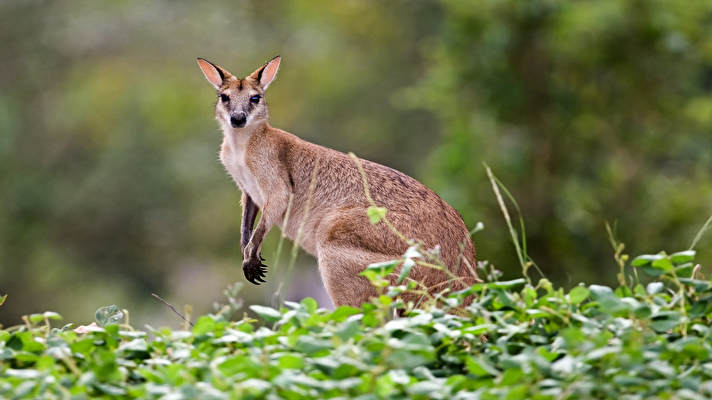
column 238, row 137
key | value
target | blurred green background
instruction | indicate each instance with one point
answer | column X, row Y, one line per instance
column 110, row 186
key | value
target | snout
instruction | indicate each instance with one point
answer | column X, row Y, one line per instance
column 238, row 120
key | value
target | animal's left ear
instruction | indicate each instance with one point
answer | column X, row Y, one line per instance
column 266, row 73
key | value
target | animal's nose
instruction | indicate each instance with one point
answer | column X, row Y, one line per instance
column 238, row 120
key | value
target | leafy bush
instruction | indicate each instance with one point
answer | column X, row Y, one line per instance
column 590, row 109
column 515, row 341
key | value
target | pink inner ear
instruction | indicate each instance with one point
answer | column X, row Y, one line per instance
column 270, row 72
column 211, row 73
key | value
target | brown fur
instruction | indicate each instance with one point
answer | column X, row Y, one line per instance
column 270, row 165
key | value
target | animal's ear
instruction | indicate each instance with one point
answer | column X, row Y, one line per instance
column 266, row 73
column 213, row 73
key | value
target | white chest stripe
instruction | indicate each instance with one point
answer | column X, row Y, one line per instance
column 232, row 156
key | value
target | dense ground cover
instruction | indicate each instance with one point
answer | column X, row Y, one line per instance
column 517, row 340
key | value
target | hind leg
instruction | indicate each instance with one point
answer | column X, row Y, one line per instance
column 346, row 244
column 340, row 267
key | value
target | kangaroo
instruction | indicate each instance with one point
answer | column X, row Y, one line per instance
column 324, row 192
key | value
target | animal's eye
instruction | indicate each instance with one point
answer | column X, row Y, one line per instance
column 255, row 99
column 225, row 98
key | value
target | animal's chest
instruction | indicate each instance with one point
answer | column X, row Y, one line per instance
column 233, row 158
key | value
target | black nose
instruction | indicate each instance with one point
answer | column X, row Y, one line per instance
column 238, row 120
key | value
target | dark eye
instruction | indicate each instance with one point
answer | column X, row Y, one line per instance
column 225, row 98
column 255, row 99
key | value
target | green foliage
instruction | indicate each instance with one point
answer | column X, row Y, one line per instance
column 375, row 214
column 514, row 341
column 592, row 111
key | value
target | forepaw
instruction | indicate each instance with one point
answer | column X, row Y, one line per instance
column 254, row 271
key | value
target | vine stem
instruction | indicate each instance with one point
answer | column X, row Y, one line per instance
column 172, row 308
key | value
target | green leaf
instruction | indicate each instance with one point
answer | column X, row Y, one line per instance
column 238, row 364
column 309, row 304
column 348, row 329
column 111, row 390
column 645, row 259
column 654, row 287
column 51, row 315
column 529, row 295
column 666, row 320
column 343, row 312
column 639, row 290
column 652, row 271
column 546, row 285
column 23, row 373
column 138, row 345
column 374, row 272
column 663, row 264
column 424, row 388
column 514, row 283
column 479, row 329
column 386, row 266
column 83, row 347
column 683, row 256
column 578, row 294
column 599, row 291
column 642, row 310
column 204, row 325
column 629, row 381
column 698, row 284
column 25, row 341
column 478, row 366
column 2, row 299
column 408, row 264
column 35, row 318
column 311, row 345
column 291, row 361
column 684, row 270
column 105, row 365
column 267, row 313
column 375, row 214
column 6, row 353
column 511, row 376
column 664, row 325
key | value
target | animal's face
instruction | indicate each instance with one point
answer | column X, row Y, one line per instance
column 240, row 102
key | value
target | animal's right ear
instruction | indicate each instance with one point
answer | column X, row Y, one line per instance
column 213, row 73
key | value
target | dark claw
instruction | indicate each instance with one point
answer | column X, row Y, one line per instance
column 254, row 271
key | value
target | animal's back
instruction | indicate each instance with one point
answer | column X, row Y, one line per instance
column 337, row 212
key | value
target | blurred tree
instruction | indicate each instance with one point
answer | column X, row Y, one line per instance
column 589, row 111
column 109, row 181
column 110, row 187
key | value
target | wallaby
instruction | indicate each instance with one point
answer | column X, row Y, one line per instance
column 274, row 170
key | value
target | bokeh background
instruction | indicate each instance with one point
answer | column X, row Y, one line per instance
column 110, row 186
